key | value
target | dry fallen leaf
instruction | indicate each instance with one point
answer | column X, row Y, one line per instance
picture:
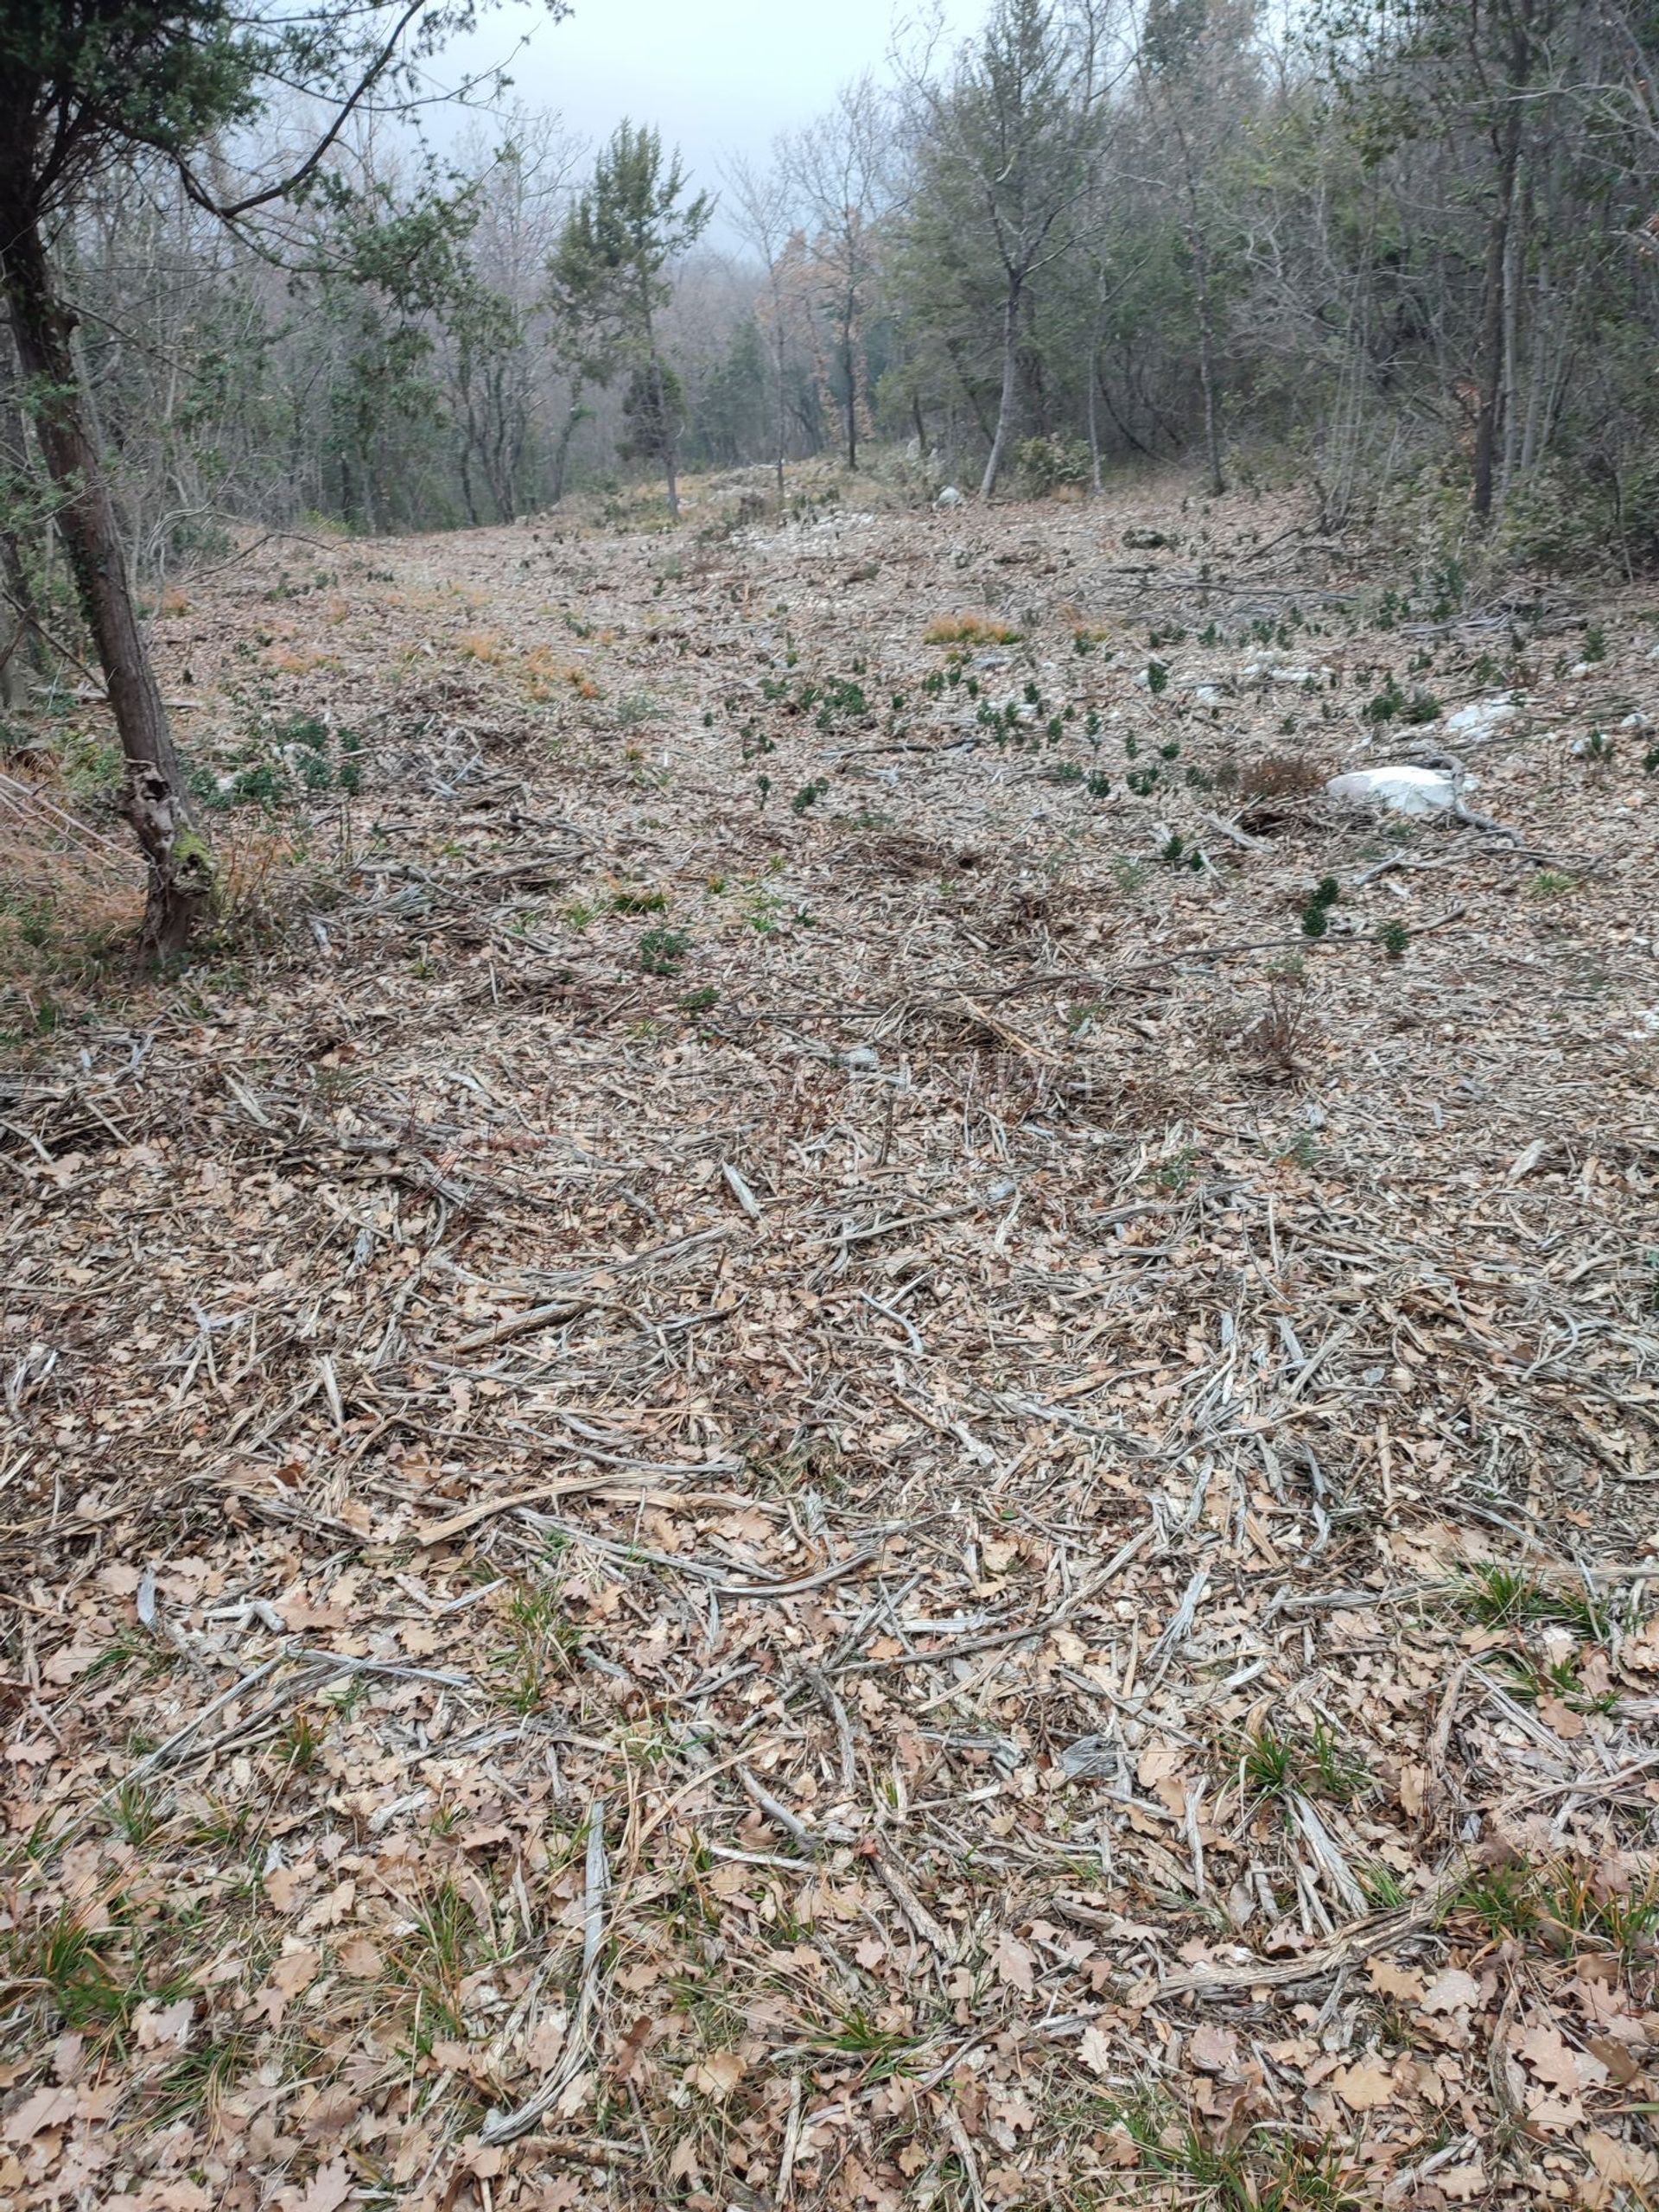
column 326, row 2191
column 1557, row 1715
column 1364, row 2086
column 1212, row 2048
column 295, row 1971
column 1450, row 1992
column 360, row 1959
column 719, row 2073
column 1390, row 1981
column 1015, row 1962
column 46, row 2108
column 1543, row 2050
column 330, row 2113
column 155, row 2025
column 1627, row 2165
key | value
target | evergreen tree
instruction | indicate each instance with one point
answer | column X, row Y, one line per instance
column 1007, row 153
column 624, row 232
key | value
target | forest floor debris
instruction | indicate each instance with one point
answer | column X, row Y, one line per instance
column 844, row 1420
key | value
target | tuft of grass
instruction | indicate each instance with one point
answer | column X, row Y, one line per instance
column 1502, row 1898
column 1266, row 2171
column 1574, row 1903
column 884, row 2051
column 541, row 1646
column 1567, row 1905
column 63, row 1961
column 298, row 1744
column 635, row 709
column 1276, row 1766
column 1269, row 1764
column 137, row 1812
column 133, row 1658
column 194, row 2082
column 1384, row 1890
column 970, row 630
column 1508, row 1597
column 435, row 1953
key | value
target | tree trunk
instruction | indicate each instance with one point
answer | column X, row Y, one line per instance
column 1512, row 340
column 1094, row 486
column 180, row 865
column 780, row 334
column 567, row 429
column 25, row 647
column 848, row 328
column 1494, row 317
column 670, row 433
column 1005, row 406
column 1207, row 359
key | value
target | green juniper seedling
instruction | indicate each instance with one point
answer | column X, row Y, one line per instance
column 662, row 951
column 1316, row 914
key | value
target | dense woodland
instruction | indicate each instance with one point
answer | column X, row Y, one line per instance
column 1402, row 252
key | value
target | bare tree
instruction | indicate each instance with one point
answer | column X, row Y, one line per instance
column 763, row 210
column 841, row 167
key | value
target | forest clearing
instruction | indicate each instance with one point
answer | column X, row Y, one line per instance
column 842, row 1415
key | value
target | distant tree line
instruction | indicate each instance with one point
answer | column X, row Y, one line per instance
column 1412, row 242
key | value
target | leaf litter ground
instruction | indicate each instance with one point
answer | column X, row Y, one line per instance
column 830, row 1454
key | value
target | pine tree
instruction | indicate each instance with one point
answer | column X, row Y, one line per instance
column 623, row 233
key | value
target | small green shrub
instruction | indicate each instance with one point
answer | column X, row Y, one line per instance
column 1046, row 464
column 662, row 951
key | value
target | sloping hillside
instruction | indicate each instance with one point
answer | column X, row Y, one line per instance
column 846, row 1419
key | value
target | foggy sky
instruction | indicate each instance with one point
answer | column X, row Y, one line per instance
column 717, row 77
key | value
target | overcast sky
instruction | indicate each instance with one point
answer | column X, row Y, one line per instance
column 714, row 76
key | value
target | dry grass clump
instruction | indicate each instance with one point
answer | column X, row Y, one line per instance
column 1280, row 1037
column 301, row 660
column 970, row 630
column 69, row 897
column 547, row 676
column 1284, row 776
